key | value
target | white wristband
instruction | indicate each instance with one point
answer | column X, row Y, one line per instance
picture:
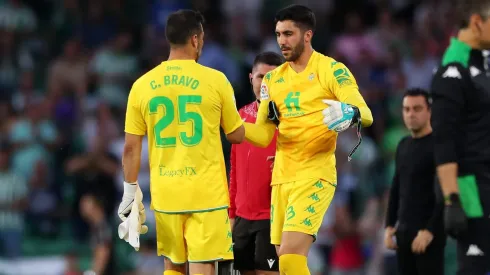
column 130, row 189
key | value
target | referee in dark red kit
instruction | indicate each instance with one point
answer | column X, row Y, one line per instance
column 250, row 190
column 415, row 207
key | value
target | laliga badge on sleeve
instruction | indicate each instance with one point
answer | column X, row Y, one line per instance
column 264, row 92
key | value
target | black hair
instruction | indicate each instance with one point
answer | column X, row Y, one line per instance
column 466, row 8
column 269, row 58
column 301, row 15
column 183, row 24
column 419, row 92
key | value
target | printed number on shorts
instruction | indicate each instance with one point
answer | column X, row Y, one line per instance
column 183, row 115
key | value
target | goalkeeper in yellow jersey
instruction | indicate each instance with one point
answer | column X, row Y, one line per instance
column 310, row 98
column 181, row 105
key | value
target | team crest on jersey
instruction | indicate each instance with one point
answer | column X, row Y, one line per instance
column 264, row 92
column 311, row 77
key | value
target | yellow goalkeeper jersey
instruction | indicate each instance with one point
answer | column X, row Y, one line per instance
column 180, row 105
column 305, row 146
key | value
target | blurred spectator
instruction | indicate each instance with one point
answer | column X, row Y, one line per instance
column 96, row 28
column 216, row 56
column 354, row 41
column 99, row 127
column 65, row 20
column 33, row 137
column 16, row 16
column 13, row 200
column 69, row 72
column 26, row 93
column 115, row 68
column 93, row 173
column 13, row 60
column 101, row 241
column 418, row 69
column 43, row 202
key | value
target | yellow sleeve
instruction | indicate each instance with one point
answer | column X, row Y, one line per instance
column 230, row 119
column 344, row 86
column 261, row 133
column 135, row 121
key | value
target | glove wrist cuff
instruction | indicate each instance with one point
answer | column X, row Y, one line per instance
column 130, row 189
column 452, row 198
column 357, row 116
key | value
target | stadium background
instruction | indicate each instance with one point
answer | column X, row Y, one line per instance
column 65, row 71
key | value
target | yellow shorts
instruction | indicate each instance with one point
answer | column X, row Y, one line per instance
column 194, row 237
column 299, row 206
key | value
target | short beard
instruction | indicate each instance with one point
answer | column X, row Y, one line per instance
column 296, row 52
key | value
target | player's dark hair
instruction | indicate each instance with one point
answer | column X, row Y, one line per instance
column 466, row 8
column 269, row 58
column 419, row 92
column 182, row 25
column 301, row 15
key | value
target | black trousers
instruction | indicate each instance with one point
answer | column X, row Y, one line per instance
column 429, row 263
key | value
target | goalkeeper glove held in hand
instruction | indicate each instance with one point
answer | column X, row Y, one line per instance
column 340, row 116
column 455, row 221
column 127, row 200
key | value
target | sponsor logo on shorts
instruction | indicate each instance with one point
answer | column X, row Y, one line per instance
column 271, row 262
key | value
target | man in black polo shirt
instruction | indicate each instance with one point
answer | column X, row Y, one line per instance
column 415, row 205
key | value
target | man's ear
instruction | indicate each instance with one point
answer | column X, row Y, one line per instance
column 195, row 41
column 308, row 35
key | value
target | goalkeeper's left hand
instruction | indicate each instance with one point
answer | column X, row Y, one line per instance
column 340, row 116
column 134, row 217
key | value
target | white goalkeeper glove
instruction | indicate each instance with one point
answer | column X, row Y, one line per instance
column 132, row 194
column 127, row 200
column 132, row 212
column 340, row 116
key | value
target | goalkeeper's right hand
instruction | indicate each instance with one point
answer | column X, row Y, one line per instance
column 127, row 200
column 273, row 114
column 455, row 221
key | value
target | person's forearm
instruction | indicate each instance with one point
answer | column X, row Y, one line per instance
column 437, row 212
column 448, row 175
column 101, row 258
column 131, row 163
column 393, row 200
column 259, row 135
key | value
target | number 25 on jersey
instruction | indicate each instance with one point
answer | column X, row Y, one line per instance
column 183, row 116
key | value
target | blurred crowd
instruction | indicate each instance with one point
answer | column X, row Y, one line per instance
column 66, row 69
